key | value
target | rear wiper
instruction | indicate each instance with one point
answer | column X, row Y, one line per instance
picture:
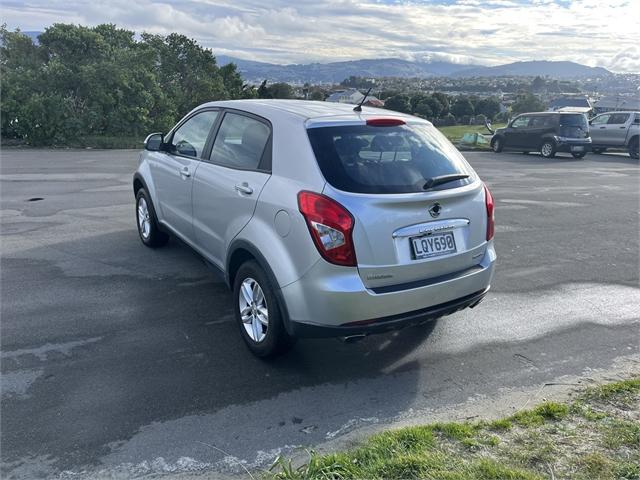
column 439, row 180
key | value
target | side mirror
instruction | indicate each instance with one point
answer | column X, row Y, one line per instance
column 154, row 142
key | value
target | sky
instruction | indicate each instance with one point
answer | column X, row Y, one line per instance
column 602, row 33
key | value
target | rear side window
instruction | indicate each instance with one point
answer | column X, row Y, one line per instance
column 241, row 142
column 542, row 121
column 618, row 118
column 389, row 159
column 577, row 120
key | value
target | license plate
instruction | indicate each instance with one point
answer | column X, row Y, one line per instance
column 433, row 245
column 577, row 149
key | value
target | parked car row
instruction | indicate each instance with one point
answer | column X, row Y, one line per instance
column 553, row 132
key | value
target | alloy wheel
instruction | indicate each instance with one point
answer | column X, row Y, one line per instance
column 253, row 310
column 144, row 221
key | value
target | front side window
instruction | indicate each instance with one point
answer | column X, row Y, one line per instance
column 241, row 142
column 189, row 139
column 618, row 118
column 389, row 159
column 520, row 122
column 600, row 120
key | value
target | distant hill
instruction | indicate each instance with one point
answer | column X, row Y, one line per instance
column 541, row 67
column 335, row 72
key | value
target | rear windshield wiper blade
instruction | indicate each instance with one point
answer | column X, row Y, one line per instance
column 439, row 180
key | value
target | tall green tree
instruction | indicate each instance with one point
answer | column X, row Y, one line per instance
column 528, row 103
column 79, row 81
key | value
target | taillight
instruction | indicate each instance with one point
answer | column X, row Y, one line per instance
column 331, row 226
column 385, row 122
column 488, row 200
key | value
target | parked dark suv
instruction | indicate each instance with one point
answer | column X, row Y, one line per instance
column 545, row 132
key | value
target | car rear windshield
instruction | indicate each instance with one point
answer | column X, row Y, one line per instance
column 573, row 121
column 386, row 159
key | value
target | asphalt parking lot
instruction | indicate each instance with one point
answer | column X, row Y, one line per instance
column 118, row 360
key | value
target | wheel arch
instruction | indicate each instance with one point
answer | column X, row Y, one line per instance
column 241, row 251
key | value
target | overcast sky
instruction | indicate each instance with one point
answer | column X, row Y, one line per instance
column 593, row 32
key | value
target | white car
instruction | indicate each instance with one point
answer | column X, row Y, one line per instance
column 324, row 220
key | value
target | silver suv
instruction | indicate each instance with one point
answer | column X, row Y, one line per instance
column 324, row 220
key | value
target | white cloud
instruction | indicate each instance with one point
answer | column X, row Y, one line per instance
column 595, row 32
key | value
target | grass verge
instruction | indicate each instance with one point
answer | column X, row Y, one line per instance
column 596, row 436
column 96, row 141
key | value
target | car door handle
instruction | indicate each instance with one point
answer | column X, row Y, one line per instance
column 602, row 128
column 244, row 188
column 622, row 127
column 184, row 172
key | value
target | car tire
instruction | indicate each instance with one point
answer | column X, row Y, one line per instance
column 147, row 221
column 578, row 154
column 258, row 313
column 633, row 148
column 497, row 144
column 548, row 149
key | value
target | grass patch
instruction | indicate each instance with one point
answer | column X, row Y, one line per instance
column 595, row 436
column 456, row 132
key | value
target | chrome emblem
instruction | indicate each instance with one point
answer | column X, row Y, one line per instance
column 435, row 210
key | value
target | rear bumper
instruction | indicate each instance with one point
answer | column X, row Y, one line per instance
column 567, row 145
column 333, row 301
column 386, row 324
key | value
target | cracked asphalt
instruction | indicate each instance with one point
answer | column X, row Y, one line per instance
column 121, row 361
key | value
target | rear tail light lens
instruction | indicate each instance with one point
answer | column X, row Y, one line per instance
column 331, row 227
column 385, row 122
column 488, row 200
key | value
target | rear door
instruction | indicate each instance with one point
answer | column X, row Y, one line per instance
column 539, row 126
column 516, row 134
column 403, row 232
column 617, row 128
column 173, row 170
column 227, row 185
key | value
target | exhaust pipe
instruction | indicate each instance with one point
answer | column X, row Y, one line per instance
column 474, row 305
column 353, row 338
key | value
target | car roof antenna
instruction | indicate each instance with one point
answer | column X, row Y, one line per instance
column 358, row 108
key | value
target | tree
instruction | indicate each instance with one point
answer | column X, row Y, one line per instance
column 263, row 90
column 423, row 109
column 528, row 103
column 399, row 103
column 461, row 107
column 538, row 84
column 316, row 95
column 79, row 81
column 489, row 107
column 281, row 90
column 444, row 101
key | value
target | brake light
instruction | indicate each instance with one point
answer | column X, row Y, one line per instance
column 331, row 227
column 488, row 200
column 384, row 122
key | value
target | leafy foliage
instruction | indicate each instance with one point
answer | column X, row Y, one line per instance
column 100, row 81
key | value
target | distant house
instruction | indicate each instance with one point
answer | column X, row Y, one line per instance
column 354, row 97
column 580, row 104
column 612, row 104
column 345, row 96
column 374, row 102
